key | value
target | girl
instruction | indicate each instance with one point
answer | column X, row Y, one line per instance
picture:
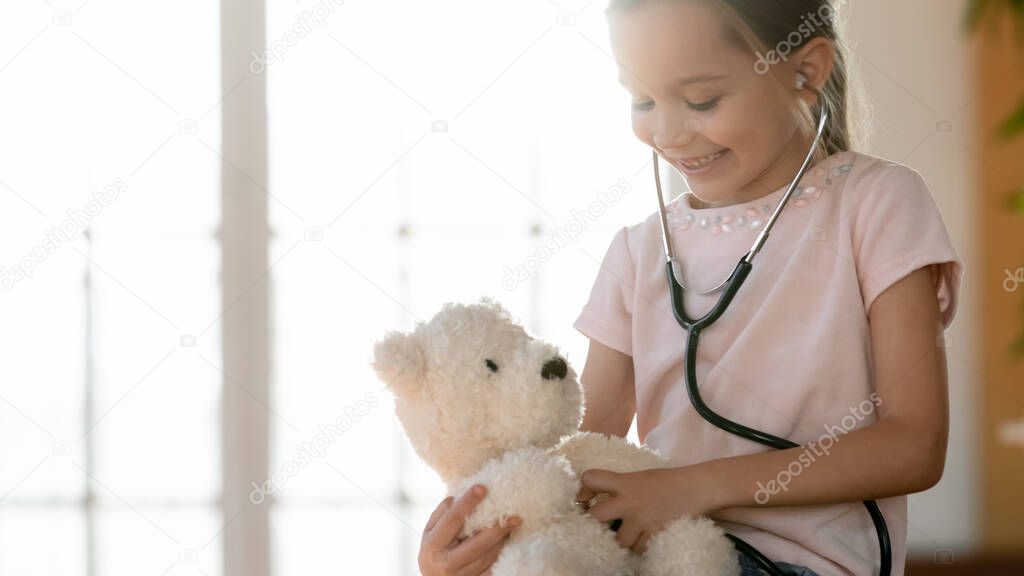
column 834, row 341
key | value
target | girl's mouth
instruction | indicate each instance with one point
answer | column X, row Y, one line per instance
column 700, row 166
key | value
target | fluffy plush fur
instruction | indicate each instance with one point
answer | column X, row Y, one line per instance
column 484, row 402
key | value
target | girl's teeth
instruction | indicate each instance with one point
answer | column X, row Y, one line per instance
column 703, row 161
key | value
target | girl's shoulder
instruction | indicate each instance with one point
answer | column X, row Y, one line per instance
column 873, row 178
column 883, row 192
column 895, row 226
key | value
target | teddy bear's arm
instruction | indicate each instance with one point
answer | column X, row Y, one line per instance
column 586, row 450
column 529, row 483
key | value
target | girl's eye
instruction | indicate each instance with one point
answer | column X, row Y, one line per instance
column 642, row 106
column 491, row 365
column 698, row 106
column 704, row 106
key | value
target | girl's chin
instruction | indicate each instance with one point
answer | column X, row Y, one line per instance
column 709, row 199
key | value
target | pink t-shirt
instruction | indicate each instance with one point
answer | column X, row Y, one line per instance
column 792, row 355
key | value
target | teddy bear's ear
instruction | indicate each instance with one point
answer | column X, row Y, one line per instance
column 399, row 362
column 494, row 304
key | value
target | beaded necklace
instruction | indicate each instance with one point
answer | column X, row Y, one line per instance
column 682, row 217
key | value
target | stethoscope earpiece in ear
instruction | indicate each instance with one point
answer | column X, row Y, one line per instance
column 801, row 81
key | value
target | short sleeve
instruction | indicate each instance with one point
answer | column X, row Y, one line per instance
column 607, row 315
column 897, row 229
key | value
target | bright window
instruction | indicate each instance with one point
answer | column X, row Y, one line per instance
column 109, row 422
column 417, row 153
column 421, row 153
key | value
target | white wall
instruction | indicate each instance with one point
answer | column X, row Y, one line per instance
column 913, row 59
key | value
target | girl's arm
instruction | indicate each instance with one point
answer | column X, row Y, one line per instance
column 903, row 452
column 609, row 399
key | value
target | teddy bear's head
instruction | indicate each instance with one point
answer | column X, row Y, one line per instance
column 471, row 384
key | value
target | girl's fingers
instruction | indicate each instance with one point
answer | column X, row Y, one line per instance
column 596, row 480
column 641, row 543
column 438, row 512
column 628, row 534
column 450, row 524
column 478, row 544
column 482, row 565
column 606, row 510
column 584, row 495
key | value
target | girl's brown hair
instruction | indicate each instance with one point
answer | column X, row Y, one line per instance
column 780, row 28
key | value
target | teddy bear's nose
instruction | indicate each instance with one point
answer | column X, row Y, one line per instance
column 554, row 368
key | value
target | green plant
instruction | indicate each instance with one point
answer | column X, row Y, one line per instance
column 979, row 12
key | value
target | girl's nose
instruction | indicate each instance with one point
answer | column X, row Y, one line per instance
column 673, row 137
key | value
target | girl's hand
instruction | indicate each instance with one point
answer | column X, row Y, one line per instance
column 442, row 553
column 645, row 501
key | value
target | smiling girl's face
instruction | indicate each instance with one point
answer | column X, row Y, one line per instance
column 699, row 102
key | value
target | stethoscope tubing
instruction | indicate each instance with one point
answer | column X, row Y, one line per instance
column 693, row 327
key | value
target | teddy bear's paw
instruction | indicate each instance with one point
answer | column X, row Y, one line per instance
column 529, row 483
column 536, row 555
column 574, row 547
column 690, row 547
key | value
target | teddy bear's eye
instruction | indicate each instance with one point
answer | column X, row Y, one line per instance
column 491, row 365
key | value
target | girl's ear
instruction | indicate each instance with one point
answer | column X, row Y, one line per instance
column 399, row 362
column 815, row 60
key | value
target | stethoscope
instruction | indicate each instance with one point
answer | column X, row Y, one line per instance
column 693, row 327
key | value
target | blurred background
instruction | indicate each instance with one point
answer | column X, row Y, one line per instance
column 210, row 211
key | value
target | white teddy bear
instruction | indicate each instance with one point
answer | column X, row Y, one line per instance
column 483, row 402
